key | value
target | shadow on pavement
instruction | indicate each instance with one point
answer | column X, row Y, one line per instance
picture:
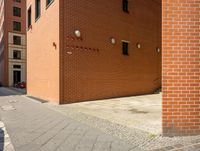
column 5, row 91
column 1, row 139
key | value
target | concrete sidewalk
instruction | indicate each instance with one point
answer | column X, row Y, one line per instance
column 137, row 112
column 33, row 127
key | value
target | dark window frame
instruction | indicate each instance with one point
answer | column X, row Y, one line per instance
column 16, row 66
column 125, row 6
column 16, row 11
column 17, row 26
column 48, row 3
column 18, row 1
column 17, row 54
column 125, row 48
column 37, row 9
column 29, row 19
column 17, row 40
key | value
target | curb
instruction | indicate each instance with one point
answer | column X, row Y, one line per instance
column 5, row 142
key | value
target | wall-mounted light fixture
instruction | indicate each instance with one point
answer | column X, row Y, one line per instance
column 77, row 33
column 138, row 45
column 158, row 49
column 54, row 44
column 112, row 40
column 69, row 53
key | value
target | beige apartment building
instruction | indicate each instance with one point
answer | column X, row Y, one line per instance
column 12, row 42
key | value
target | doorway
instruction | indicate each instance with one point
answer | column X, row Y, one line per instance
column 16, row 77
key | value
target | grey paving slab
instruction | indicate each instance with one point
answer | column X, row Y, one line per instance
column 34, row 127
column 71, row 142
column 60, row 138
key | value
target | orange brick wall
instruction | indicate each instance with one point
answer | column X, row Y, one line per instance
column 93, row 68
column 181, row 67
column 42, row 55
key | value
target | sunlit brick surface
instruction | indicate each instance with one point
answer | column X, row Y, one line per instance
column 181, row 67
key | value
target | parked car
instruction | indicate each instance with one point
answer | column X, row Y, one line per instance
column 1, row 84
column 21, row 85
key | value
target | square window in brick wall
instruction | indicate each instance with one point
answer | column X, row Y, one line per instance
column 16, row 40
column 18, row 1
column 17, row 54
column 16, row 26
column 17, row 11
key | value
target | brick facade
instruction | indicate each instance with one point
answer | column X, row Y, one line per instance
column 6, row 41
column 90, row 67
column 181, row 67
column 93, row 68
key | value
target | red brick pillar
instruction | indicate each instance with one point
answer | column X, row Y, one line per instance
column 181, row 67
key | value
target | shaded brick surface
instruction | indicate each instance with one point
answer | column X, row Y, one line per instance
column 93, row 68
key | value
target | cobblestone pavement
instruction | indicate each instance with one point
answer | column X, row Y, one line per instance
column 34, row 126
column 5, row 142
column 143, row 140
column 138, row 112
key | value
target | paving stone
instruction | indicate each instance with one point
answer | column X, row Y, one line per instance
column 33, row 127
column 102, row 146
column 178, row 146
column 56, row 141
column 28, row 147
column 48, row 135
column 169, row 148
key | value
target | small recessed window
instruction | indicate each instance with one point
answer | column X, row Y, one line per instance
column 17, row 54
column 16, row 40
column 125, row 48
column 125, row 5
column 17, row 66
column 18, row 1
column 16, row 26
column 48, row 2
column 37, row 9
column 29, row 17
column 17, row 11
